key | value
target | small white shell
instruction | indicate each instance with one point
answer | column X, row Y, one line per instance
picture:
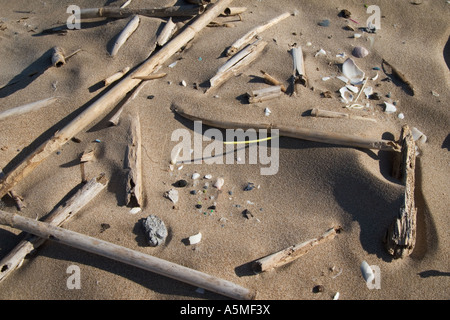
column 343, row 79
column 195, row 238
column 367, row 272
column 135, row 210
column 183, row 83
column 267, row 112
column 219, row 183
column 352, row 88
column 208, row 176
column 368, row 91
column 352, row 72
column 390, row 108
column 418, row 135
column 336, row 296
column 346, row 94
column 320, row 52
column 401, row 116
column 360, row 52
column 195, row 176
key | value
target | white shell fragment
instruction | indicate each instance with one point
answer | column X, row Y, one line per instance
column 336, row 296
column 195, row 176
column 346, row 94
column 352, row 72
column 219, row 183
column 352, row 88
column 320, row 52
column 267, row 112
column 367, row 272
column 195, row 238
column 208, row 176
column 183, row 83
column 342, row 78
column 360, row 52
column 368, row 91
column 418, row 135
column 390, row 108
column 135, row 210
column 172, row 195
column 401, row 116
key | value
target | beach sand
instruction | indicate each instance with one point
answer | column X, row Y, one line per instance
column 317, row 186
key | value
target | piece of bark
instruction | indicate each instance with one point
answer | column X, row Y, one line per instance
column 333, row 114
column 292, row 253
column 300, row 133
column 58, row 58
column 33, row 106
column 131, row 26
column 116, row 76
column 109, row 99
column 128, row 256
column 237, row 63
column 251, row 35
column 264, row 94
column 401, row 235
column 57, row 217
column 174, row 11
column 271, row 80
column 133, row 164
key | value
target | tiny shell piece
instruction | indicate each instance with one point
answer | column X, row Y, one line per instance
column 195, row 176
column 219, row 183
column 367, row 272
column 195, row 238
column 390, row 108
column 352, row 72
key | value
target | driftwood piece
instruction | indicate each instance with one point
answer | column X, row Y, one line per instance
column 271, row 80
column 18, row 200
column 264, row 94
column 237, row 63
column 300, row 133
column 401, row 236
column 292, row 253
column 167, row 32
column 299, row 76
column 62, row 214
column 131, row 26
column 333, row 114
column 234, row 11
column 133, row 164
column 116, row 76
column 109, row 99
column 251, row 35
column 58, row 58
column 33, row 106
column 174, row 11
column 127, row 256
column 151, row 76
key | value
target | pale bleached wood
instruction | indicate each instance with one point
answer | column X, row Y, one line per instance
column 128, row 256
column 401, row 235
column 109, row 99
column 131, row 26
column 299, row 133
column 271, row 80
column 174, row 11
column 299, row 75
column 125, row 4
column 133, row 164
column 334, row 114
column 292, row 253
column 251, row 35
column 58, row 58
column 57, row 217
column 264, row 94
column 29, row 107
column 116, row 76
column 151, row 76
column 237, row 63
column 167, row 32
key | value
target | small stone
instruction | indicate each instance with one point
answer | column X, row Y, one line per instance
column 183, row 83
column 193, row 192
column 208, row 176
column 345, row 13
column 104, row 226
column 172, row 195
column 250, row 186
column 198, row 206
column 324, row 23
column 180, row 184
column 318, row 288
column 375, row 96
column 247, row 214
column 195, row 176
column 155, row 230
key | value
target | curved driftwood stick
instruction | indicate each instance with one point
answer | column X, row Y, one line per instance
column 56, row 218
column 175, row 11
column 110, row 99
column 300, row 133
column 127, row 256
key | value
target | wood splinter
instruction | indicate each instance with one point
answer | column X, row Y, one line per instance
column 116, row 76
column 264, row 94
column 333, row 114
column 292, row 253
column 271, row 80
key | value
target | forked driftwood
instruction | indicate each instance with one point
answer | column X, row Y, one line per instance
column 237, row 63
column 401, row 236
column 127, row 256
column 109, row 99
column 134, row 164
column 174, row 11
column 333, row 114
column 251, row 35
column 62, row 214
column 116, row 76
column 33, row 106
column 264, row 94
column 292, row 253
column 300, row 133
column 131, row 26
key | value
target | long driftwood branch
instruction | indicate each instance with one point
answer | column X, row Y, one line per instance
column 110, row 99
column 175, row 11
column 292, row 253
column 401, row 235
column 127, row 256
column 62, row 214
column 300, row 133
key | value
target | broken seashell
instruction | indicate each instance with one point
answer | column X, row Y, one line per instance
column 390, row 108
column 267, row 112
column 353, row 89
column 418, row 135
column 346, row 94
column 342, row 78
column 367, row 272
column 219, row 183
column 401, row 116
column 352, row 72
column 360, row 52
column 368, row 92
column 135, row 210
column 195, row 176
column 357, row 35
column 195, row 238
column 208, row 176
column 321, row 51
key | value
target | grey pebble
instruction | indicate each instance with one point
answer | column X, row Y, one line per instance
column 155, row 230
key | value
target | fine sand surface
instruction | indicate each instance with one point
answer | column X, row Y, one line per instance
column 316, row 186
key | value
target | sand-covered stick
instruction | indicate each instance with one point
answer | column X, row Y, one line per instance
column 292, row 253
column 334, row 114
column 109, row 100
column 62, row 214
column 29, row 107
column 116, row 76
column 128, row 256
